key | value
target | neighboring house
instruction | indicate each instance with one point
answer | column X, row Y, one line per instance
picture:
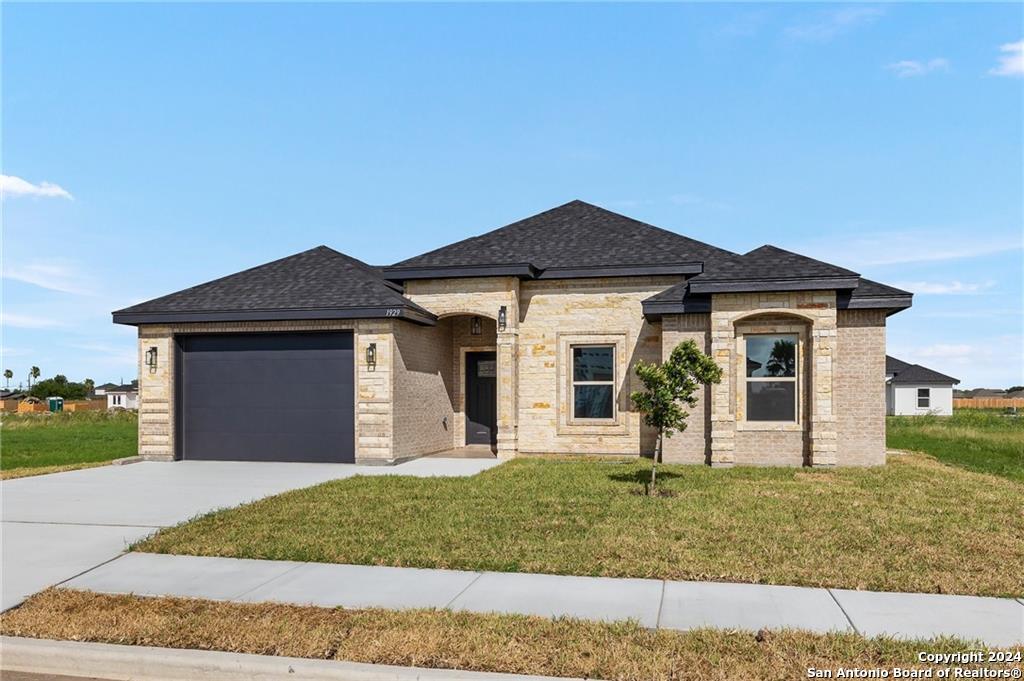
column 122, row 397
column 9, row 399
column 524, row 339
column 911, row 389
column 102, row 389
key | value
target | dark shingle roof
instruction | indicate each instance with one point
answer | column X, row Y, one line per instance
column 318, row 283
column 574, row 235
column 771, row 262
column 904, row 372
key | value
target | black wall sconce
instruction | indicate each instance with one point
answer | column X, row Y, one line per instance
column 502, row 318
column 151, row 359
column 371, row 354
column 474, row 326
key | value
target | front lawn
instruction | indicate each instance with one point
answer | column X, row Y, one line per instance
column 914, row 525
column 987, row 441
column 37, row 443
column 456, row 640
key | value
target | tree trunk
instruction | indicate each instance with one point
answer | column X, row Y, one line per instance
column 654, row 466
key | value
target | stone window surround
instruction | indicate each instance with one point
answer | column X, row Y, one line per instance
column 571, row 372
column 567, row 424
column 756, row 327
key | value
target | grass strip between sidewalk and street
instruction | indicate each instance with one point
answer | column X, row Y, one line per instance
column 451, row 640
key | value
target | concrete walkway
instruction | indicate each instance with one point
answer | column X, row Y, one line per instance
column 653, row 603
column 56, row 526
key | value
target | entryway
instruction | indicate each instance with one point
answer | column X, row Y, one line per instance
column 481, row 398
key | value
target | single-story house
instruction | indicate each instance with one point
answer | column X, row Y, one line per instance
column 9, row 399
column 912, row 389
column 122, row 396
column 523, row 338
column 102, row 389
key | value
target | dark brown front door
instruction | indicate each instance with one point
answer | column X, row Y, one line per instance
column 481, row 398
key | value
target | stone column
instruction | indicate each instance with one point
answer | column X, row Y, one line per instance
column 156, row 394
column 508, row 374
column 822, row 431
column 723, row 418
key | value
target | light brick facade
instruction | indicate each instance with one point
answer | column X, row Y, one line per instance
column 411, row 402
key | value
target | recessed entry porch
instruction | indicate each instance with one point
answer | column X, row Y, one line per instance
column 446, row 389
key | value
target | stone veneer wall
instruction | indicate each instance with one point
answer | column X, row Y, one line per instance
column 422, row 412
column 860, row 388
column 374, row 406
column 813, row 439
column 556, row 314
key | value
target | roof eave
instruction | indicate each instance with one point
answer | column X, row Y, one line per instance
column 405, row 313
column 780, row 284
column 404, row 273
column 530, row 271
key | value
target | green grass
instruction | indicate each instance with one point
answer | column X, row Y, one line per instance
column 986, row 441
column 914, row 525
column 43, row 441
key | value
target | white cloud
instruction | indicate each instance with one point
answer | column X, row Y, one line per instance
column 832, row 23
column 21, row 321
column 109, row 354
column 910, row 68
column 1011, row 63
column 947, row 350
column 950, row 287
column 15, row 186
column 54, row 275
column 895, row 248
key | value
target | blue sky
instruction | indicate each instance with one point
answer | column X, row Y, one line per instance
column 147, row 148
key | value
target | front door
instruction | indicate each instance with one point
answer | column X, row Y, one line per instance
column 481, row 398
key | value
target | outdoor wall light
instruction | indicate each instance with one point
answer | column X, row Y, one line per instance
column 371, row 354
column 474, row 326
column 151, row 359
column 502, row 318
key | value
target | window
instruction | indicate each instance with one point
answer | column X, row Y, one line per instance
column 117, row 399
column 593, row 381
column 924, row 398
column 771, row 377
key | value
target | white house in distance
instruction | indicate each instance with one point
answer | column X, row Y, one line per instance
column 122, row 397
column 912, row 390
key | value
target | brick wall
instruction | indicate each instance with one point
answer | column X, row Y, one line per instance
column 423, row 386
column 692, row 445
column 860, row 388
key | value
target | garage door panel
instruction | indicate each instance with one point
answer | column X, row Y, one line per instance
column 267, row 397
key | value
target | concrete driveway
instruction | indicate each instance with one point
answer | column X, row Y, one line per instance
column 61, row 525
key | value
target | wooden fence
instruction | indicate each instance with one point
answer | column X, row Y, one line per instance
column 988, row 402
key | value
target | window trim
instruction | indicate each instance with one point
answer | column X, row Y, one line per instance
column 796, row 378
column 583, row 420
column 927, row 398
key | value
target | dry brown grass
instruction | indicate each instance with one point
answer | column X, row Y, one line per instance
column 447, row 640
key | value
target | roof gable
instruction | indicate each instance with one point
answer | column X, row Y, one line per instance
column 574, row 236
column 318, row 283
column 904, row 372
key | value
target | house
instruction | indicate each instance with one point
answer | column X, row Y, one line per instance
column 523, row 339
column 9, row 399
column 102, row 389
column 122, row 396
column 911, row 389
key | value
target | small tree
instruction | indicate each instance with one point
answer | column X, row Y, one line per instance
column 8, row 375
column 90, row 387
column 667, row 385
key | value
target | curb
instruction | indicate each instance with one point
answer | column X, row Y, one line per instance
column 125, row 460
column 144, row 663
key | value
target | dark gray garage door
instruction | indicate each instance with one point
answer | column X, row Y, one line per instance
column 267, row 397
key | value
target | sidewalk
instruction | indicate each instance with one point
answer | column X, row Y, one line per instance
column 653, row 603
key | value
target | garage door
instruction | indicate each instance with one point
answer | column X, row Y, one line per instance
column 267, row 397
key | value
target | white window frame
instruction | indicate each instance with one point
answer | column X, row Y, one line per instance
column 795, row 378
column 573, row 382
column 927, row 397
